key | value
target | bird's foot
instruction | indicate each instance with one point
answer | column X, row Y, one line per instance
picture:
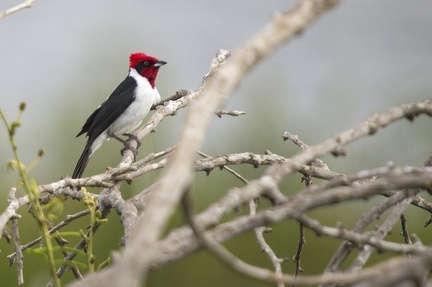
column 132, row 149
column 133, row 137
column 128, row 146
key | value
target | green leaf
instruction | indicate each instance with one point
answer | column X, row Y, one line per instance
column 71, row 263
column 54, row 208
column 13, row 164
column 70, row 249
column 104, row 264
column 40, row 251
column 66, row 234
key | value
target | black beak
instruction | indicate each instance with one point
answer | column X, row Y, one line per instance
column 159, row 63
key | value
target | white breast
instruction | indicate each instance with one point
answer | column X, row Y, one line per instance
column 145, row 97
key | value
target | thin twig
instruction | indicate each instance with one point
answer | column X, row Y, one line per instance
column 19, row 254
column 297, row 141
column 178, row 95
column 259, row 231
column 302, row 240
column 19, row 7
column 297, row 255
column 265, row 247
column 380, row 233
column 230, row 170
column 366, row 219
column 405, row 232
column 233, row 113
column 223, row 254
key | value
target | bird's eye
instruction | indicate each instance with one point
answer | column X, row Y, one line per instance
column 146, row 63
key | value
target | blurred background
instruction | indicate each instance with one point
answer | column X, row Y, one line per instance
column 63, row 58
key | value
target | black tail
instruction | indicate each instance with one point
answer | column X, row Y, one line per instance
column 82, row 162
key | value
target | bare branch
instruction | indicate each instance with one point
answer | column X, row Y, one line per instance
column 178, row 242
column 19, row 254
column 296, row 140
column 230, row 113
column 380, row 233
column 297, row 255
column 335, row 145
column 19, row 7
column 228, row 258
column 265, row 247
column 365, row 220
column 373, row 274
column 13, row 206
column 405, row 232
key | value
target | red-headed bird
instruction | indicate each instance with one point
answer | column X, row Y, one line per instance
column 125, row 108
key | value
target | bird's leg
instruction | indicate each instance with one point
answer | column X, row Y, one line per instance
column 117, row 138
column 126, row 143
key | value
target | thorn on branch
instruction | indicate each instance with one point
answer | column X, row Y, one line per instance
column 429, row 221
column 410, row 115
column 129, row 179
column 373, row 128
column 208, row 170
column 339, row 151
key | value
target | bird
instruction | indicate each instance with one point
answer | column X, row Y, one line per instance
column 124, row 110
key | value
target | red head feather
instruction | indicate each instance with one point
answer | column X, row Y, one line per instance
column 135, row 58
column 147, row 66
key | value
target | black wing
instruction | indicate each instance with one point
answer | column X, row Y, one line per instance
column 110, row 110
